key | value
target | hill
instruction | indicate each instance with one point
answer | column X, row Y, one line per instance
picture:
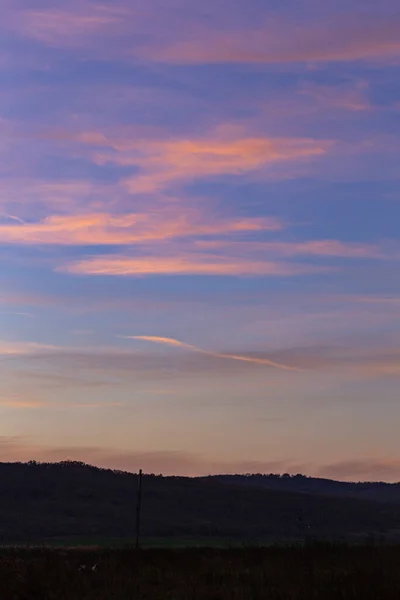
column 367, row 490
column 71, row 500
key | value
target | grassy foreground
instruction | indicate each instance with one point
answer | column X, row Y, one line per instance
column 315, row 572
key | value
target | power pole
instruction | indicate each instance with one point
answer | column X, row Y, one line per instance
column 138, row 508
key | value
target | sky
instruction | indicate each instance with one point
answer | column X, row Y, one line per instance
column 199, row 234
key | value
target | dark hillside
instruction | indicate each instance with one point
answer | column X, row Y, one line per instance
column 43, row 501
column 380, row 491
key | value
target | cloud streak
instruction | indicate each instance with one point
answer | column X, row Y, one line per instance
column 178, row 36
column 225, row 151
column 227, row 257
column 21, row 403
column 185, row 264
column 178, row 344
column 125, row 229
column 350, row 38
column 66, row 366
column 15, row 403
column 321, row 248
column 12, row 217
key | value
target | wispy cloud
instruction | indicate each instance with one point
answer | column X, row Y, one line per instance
column 26, row 403
column 226, row 151
column 178, row 344
column 323, row 248
column 263, row 34
column 9, row 349
column 229, row 258
column 185, row 264
column 12, row 217
column 124, row 229
column 338, row 39
column 17, row 403
column 84, row 366
column 16, row 349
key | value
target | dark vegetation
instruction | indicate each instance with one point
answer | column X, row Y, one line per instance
column 312, row 572
column 70, row 501
column 380, row 491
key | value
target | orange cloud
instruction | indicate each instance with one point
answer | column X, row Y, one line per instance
column 20, row 403
column 23, row 348
column 178, row 344
column 195, row 264
column 160, row 340
column 227, row 151
column 14, row 402
column 107, row 229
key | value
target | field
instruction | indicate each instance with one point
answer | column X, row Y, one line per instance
column 311, row 572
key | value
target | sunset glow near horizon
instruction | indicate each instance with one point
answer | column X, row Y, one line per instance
column 200, row 235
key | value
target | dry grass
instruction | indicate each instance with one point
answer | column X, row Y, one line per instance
column 316, row 572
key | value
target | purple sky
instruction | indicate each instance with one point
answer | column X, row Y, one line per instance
column 199, row 235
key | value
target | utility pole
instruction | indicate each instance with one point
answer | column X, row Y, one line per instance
column 138, row 508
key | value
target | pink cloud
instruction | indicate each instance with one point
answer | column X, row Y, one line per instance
column 21, row 403
column 28, row 403
column 225, row 151
column 10, row 349
column 189, row 264
column 339, row 39
column 333, row 248
column 177, row 35
column 106, row 229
